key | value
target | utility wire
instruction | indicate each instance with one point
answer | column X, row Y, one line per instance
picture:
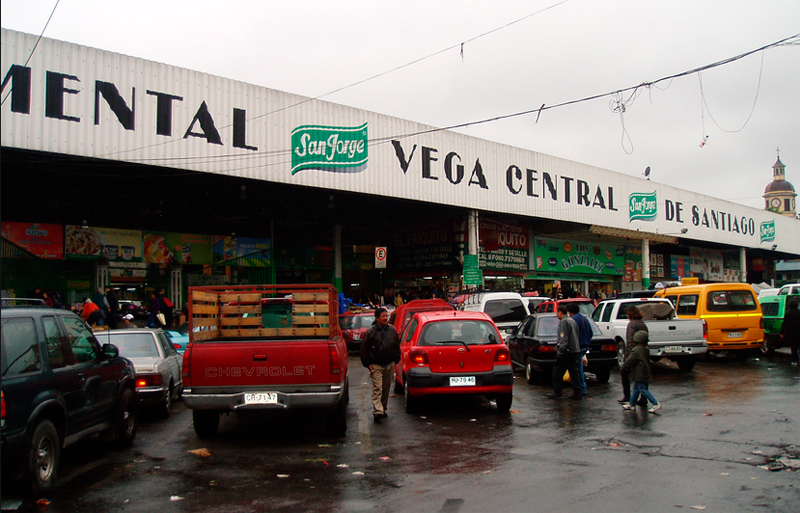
column 34, row 46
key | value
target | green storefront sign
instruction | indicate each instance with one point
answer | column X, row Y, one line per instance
column 642, row 206
column 329, row 148
column 577, row 257
column 767, row 231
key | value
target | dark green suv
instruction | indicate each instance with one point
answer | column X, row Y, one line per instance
column 58, row 386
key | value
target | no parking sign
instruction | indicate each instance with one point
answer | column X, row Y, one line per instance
column 380, row 257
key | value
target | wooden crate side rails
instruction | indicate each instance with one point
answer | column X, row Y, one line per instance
column 240, row 298
column 208, row 297
column 205, row 309
column 240, row 309
column 200, row 336
column 204, row 321
column 309, row 297
column 275, row 332
column 309, row 319
column 224, row 322
column 310, row 308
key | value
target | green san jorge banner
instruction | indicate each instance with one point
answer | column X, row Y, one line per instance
column 337, row 149
column 558, row 255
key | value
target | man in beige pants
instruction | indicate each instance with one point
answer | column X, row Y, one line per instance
column 380, row 351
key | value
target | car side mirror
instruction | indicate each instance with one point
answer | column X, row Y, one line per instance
column 510, row 331
column 110, row 351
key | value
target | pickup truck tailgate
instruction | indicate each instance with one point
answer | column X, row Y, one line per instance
column 239, row 365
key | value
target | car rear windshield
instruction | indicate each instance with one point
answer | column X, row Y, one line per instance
column 731, row 301
column 506, row 310
column 356, row 321
column 458, row 332
column 770, row 309
column 135, row 345
column 548, row 327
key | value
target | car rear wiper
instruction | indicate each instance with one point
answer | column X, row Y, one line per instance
column 456, row 342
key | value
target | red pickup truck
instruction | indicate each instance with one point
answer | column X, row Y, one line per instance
column 264, row 347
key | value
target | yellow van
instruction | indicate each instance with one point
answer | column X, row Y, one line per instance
column 731, row 311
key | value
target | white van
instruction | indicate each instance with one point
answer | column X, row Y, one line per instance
column 507, row 309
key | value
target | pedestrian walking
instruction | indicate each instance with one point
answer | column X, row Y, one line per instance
column 100, row 300
column 790, row 330
column 584, row 339
column 380, row 351
column 635, row 323
column 155, row 309
column 113, row 307
column 568, row 356
column 638, row 365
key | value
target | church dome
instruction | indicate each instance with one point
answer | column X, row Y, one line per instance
column 779, row 186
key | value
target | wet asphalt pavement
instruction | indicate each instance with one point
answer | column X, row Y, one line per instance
column 723, row 427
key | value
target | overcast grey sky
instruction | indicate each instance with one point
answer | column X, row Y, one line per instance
column 574, row 49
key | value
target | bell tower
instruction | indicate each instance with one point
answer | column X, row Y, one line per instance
column 779, row 195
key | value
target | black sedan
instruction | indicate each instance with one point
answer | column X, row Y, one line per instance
column 533, row 348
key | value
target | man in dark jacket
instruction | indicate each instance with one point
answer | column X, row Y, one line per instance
column 380, row 351
column 584, row 338
column 790, row 330
column 113, row 307
column 568, row 356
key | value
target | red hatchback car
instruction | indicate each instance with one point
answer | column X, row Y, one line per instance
column 354, row 326
column 453, row 353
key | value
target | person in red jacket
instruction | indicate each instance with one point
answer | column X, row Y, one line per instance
column 91, row 313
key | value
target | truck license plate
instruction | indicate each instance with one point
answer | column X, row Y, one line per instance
column 734, row 334
column 673, row 349
column 462, row 381
column 356, row 336
column 261, row 398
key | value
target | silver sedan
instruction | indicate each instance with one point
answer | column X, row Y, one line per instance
column 157, row 364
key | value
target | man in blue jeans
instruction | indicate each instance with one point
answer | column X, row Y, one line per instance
column 584, row 338
column 567, row 356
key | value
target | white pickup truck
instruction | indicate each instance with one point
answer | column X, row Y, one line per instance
column 680, row 340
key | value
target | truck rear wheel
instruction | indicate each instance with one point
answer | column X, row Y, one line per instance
column 686, row 364
column 206, row 423
column 602, row 375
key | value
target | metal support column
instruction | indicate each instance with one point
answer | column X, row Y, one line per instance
column 645, row 264
column 176, row 286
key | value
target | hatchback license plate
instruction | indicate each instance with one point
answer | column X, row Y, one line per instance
column 673, row 349
column 734, row 334
column 462, row 381
column 356, row 336
column 261, row 398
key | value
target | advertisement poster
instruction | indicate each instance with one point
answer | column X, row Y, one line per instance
column 558, row 255
column 43, row 240
column 633, row 263
column 503, row 247
column 248, row 251
column 424, row 247
column 707, row 264
column 185, row 248
column 681, row 267
column 114, row 243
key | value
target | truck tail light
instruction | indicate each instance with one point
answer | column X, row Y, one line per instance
column 418, row 356
column 336, row 361
column 608, row 347
column 149, row 380
column 186, row 368
column 502, row 355
column 705, row 328
column 547, row 349
column 2, row 404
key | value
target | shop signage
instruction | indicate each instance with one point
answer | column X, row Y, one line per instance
column 473, row 276
column 642, row 206
column 380, row 257
column 185, row 248
column 503, row 247
column 43, row 240
column 633, row 264
column 558, row 255
column 113, row 243
column 336, row 149
column 247, row 251
column 768, row 231
column 424, row 247
column 690, row 281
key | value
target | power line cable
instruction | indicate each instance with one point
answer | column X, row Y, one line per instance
column 34, row 46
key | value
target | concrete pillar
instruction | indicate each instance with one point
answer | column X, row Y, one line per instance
column 743, row 265
column 473, row 232
column 645, row 264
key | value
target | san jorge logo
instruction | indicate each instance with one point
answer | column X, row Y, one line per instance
column 336, row 149
column 767, row 231
column 642, row 206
